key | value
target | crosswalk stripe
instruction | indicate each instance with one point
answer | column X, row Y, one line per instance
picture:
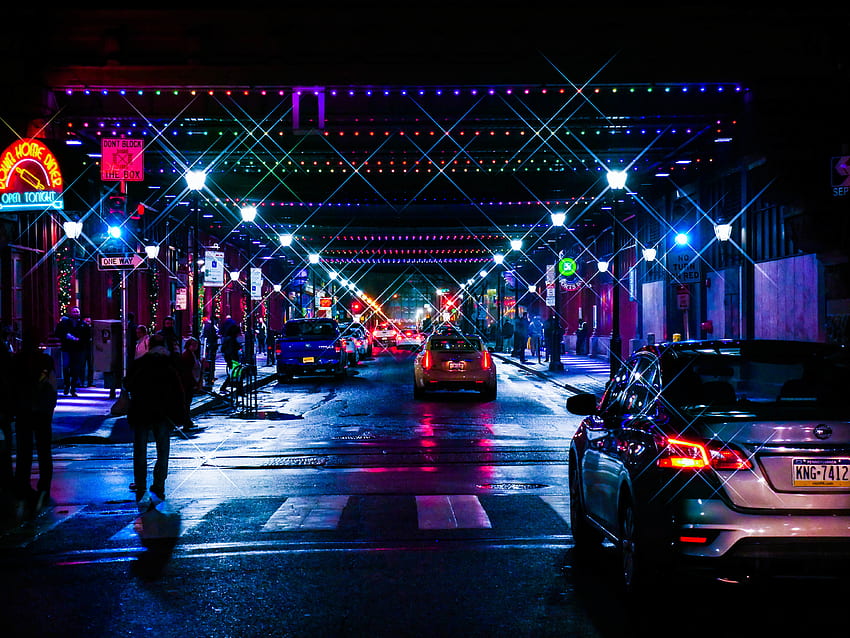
column 561, row 505
column 451, row 512
column 307, row 513
column 190, row 516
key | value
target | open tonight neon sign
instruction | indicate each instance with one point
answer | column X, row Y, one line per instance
column 30, row 178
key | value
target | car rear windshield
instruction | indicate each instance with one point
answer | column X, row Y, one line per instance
column 456, row 344
column 766, row 382
column 324, row 329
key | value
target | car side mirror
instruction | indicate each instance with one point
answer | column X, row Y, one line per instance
column 582, row 404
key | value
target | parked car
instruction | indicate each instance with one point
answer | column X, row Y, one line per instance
column 309, row 347
column 385, row 334
column 730, row 458
column 357, row 342
column 454, row 362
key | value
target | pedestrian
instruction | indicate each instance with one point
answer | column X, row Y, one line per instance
column 75, row 339
column 88, row 357
column 172, row 339
column 507, row 335
column 520, row 336
column 190, row 374
column 553, row 333
column 535, row 336
column 582, row 338
column 229, row 331
column 209, row 334
column 35, row 399
column 7, row 415
column 142, row 342
column 157, row 403
column 132, row 336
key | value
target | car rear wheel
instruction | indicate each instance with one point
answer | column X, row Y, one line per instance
column 489, row 393
column 418, row 393
column 637, row 564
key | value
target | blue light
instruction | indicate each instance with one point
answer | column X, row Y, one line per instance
column 682, row 239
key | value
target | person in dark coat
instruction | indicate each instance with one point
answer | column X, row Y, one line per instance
column 229, row 331
column 35, row 399
column 209, row 334
column 520, row 337
column 7, row 415
column 172, row 339
column 507, row 335
column 74, row 336
column 190, row 374
column 157, row 403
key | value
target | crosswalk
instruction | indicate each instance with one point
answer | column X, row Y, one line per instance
column 203, row 520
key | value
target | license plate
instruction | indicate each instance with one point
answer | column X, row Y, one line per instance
column 456, row 366
column 308, row 360
column 821, row 472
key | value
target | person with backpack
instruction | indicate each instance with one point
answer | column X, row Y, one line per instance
column 157, row 404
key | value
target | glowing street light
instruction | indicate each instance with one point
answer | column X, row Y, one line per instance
column 285, row 240
column 723, row 232
column 249, row 213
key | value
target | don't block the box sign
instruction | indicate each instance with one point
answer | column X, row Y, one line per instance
column 30, row 178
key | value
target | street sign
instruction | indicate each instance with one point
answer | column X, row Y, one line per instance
column 683, row 298
column 684, row 266
column 121, row 262
column 122, row 160
column 256, row 284
column 567, row 266
column 213, row 268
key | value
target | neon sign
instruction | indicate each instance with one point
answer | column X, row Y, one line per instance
column 30, row 178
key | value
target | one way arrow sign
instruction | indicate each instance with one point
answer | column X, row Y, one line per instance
column 122, row 262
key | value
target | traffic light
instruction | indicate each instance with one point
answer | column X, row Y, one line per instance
column 115, row 215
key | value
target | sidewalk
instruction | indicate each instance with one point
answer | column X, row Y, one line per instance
column 86, row 418
column 579, row 373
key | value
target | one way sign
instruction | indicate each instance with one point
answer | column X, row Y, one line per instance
column 122, row 262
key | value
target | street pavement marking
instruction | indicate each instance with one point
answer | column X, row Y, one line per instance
column 561, row 505
column 27, row 532
column 190, row 516
column 307, row 513
column 451, row 512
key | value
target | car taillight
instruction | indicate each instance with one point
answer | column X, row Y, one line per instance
column 427, row 361
column 486, row 360
column 690, row 455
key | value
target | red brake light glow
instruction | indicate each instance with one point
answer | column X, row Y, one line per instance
column 486, row 360
column 427, row 361
column 690, row 455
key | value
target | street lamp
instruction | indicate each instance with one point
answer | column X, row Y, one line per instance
column 195, row 182
column 617, row 182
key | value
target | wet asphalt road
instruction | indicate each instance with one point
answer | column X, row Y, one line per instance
column 349, row 509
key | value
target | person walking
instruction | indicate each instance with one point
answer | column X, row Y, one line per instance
column 74, row 337
column 507, row 335
column 157, row 403
column 172, row 339
column 35, row 400
column 520, row 336
column 7, row 415
column 142, row 342
column 535, row 337
column 582, row 338
column 229, row 332
column 209, row 334
column 190, row 374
